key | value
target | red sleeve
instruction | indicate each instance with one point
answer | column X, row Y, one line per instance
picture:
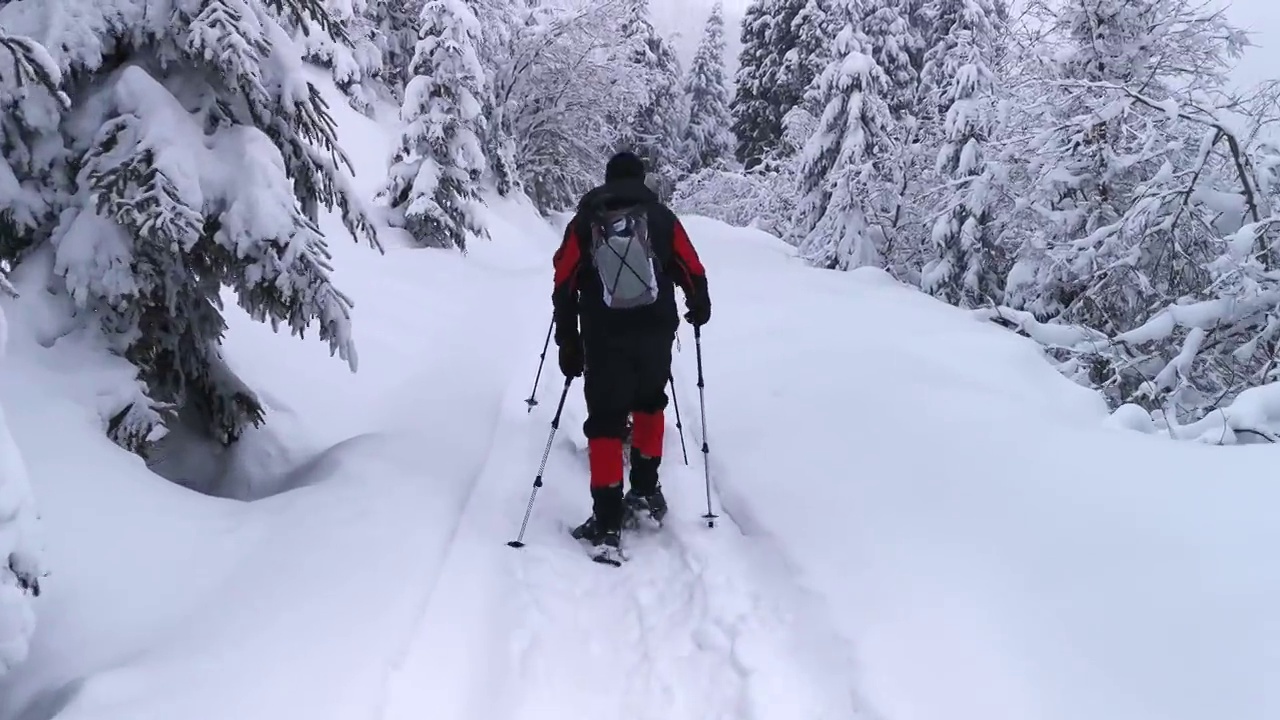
column 566, row 259
column 686, row 258
column 564, row 292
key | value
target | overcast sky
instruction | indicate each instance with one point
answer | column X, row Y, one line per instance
column 1262, row 19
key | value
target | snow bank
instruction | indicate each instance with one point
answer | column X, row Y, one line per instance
column 989, row 547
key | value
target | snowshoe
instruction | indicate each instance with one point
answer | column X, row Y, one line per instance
column 606, row 544
column 645, row 499
column 651, row 508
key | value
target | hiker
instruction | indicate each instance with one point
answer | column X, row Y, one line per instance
column 614, row 276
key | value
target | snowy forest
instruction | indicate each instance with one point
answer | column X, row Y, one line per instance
column 1083, row 172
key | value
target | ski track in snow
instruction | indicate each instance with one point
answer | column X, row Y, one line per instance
column 701, row 623
column 688, row 628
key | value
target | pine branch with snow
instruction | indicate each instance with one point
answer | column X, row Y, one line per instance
column 31, row 106
column 433, row 185
column 392, row 27
column 355, row 58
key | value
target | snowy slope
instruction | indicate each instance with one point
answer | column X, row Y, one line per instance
column 920, row 520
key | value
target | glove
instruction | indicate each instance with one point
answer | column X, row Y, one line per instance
column 699, row 309
column 571, row 359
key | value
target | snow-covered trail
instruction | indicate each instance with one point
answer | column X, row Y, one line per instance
column 702, row 623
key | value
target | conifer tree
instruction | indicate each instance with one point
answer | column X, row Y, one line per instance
column 754, row 125
column 959, row 82
column 434, row 181
column 171, row 200
column 708, row 139
column 653, row 131
column 840, row 180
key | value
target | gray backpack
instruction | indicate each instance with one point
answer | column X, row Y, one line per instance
column 624, row 258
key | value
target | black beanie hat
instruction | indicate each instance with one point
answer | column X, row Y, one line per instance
column 624, row 165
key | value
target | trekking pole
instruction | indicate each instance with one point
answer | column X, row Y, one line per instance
column 532, row 400
column 537, row 481
column 679, row 427
column 710, row 517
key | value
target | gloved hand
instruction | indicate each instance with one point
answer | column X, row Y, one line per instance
column 699, row 309
column 571, row 358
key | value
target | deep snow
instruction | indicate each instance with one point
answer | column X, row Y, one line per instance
column 920, row 520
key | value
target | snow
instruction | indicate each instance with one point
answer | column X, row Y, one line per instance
column 18, row 537
column 920, row 518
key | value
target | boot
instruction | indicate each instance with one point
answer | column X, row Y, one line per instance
column 645, row 495
column 604, row 528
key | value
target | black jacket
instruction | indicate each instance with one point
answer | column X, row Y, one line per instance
column 577, row 295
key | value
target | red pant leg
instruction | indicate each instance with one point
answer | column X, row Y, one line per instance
column 647, row 433
column 605, row 455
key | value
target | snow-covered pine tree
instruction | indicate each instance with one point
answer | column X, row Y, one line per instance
column 753, row 107
column 30, row 101
column 842, row 183
column 653, row 130
column 199, row 150
column 785, row 46
column 433, row 186
column 353, row 56
column 967, row 265
column 708, row 139
column 895, row 44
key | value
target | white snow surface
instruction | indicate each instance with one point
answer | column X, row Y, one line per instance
column 920, row 519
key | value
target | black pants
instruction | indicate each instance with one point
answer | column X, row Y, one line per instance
column 625, row 373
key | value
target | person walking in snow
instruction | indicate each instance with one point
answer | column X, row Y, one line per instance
column 615, row 322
